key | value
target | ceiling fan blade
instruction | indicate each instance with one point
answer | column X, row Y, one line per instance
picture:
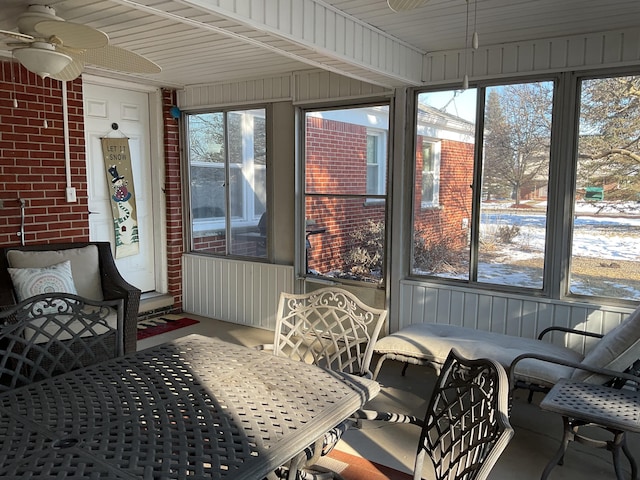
column 70, row 72
column 404, row 5
column 18, row 36
column 116, row 58
column 72, row 34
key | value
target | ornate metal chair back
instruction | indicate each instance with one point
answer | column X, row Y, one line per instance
column 329, row 327
column 51, row 334
column 466, row 426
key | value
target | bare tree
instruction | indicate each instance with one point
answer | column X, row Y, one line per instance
column 609, row 145
column 517, row 137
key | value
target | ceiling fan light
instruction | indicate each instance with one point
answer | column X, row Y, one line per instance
column 42, row 59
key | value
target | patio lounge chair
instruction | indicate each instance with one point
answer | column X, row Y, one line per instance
column 50, row 334
column 429, row 344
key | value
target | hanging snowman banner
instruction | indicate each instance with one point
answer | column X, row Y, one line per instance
column 117, row 161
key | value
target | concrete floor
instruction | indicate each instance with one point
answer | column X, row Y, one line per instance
column 537, row 433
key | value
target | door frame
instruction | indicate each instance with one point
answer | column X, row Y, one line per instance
column 156, row 150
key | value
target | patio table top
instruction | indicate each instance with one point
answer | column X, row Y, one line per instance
column 195, row 407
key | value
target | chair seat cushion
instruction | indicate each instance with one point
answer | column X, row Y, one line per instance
column 432, row 342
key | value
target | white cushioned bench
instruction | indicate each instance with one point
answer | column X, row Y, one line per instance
column 430, row 343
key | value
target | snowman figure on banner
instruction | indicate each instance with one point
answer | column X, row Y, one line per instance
column 126, row 226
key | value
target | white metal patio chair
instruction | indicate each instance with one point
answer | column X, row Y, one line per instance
column 329, row 327
column 51, row 334
column 333, row 329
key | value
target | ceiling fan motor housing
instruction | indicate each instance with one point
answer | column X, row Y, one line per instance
column 36, row 14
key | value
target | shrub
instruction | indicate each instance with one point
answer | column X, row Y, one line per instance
column 364, row 257
column 439, row 255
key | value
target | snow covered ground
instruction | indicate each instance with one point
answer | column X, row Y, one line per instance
column 602, row 232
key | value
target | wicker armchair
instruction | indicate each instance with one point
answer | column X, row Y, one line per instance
column 111, row 284
column 51, row 334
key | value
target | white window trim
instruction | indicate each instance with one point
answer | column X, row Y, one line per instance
column 436, row 151
column 381, row 150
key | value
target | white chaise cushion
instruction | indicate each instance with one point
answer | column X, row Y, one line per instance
column 432, row 342
column 85, row 266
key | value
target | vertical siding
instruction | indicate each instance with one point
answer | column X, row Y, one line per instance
column 595, row 50
column 511, row 314
column 235, row 291
column 300, row 87
column 270, row 89
column 322, row 85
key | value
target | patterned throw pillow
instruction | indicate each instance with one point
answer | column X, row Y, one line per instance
column 28, row 282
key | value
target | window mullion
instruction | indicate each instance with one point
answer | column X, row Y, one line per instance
column 227, row 185
column 477, row 186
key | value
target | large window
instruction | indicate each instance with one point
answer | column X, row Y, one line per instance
column 227, row 175
column 345, row 192
column 505, row 190
column 606, row 207
column 481, row 211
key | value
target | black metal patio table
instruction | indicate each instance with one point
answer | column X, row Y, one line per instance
column 613, row 409
column 196, row 407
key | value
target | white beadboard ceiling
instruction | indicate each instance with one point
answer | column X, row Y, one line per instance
column 209, row 41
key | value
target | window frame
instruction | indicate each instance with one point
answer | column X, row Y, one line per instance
column 561, row 190
column 216, row 225
column 368, row 199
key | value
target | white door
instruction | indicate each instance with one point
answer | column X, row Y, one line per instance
column 106, row 107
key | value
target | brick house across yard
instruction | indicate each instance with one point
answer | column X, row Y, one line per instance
column 345, row 186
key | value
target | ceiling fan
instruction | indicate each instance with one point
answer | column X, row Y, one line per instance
column 403, row 5
column 52, row 47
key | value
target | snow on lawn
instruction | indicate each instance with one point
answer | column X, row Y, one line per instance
column 622, row 232
column 601, row 231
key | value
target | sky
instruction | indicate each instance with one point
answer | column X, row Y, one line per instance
column 461, row 103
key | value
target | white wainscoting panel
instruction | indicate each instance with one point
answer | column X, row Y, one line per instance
column 519, row 315
column 235, row 291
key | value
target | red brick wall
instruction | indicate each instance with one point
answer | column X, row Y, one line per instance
column 173, row 196
column 32, row 159
column 336, row 163
column 455, row 195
